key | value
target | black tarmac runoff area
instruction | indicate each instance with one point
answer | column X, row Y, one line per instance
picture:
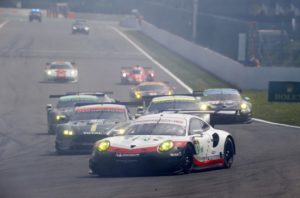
column 267, row 163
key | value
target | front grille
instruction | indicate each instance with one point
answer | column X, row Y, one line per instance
column 91, row 138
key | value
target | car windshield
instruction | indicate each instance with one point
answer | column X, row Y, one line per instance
column 136, row 71
column 220, row 95
column 155, row 129
column 156, row 107
column 99, row 115
column 152, row 88
column 60, row 66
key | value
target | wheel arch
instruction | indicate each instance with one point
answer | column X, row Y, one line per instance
column 232, row 140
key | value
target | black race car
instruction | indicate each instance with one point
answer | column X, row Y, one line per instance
column 88, row 124
column 66, row 105
column 80, row 26
column 35, row 14
column 229, row 105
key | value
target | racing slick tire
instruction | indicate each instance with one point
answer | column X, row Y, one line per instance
column 187, row 160
column 228, row 153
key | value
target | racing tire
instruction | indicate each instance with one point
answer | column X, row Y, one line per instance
column 228, row 153
column 187, row 160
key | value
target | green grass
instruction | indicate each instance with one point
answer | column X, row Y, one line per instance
column 198, row 79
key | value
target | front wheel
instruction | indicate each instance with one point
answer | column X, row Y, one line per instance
column 228, row 153
column 187, row 160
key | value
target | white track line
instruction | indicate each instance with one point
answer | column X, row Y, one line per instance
column 276, row 124
column 3, row 24
column 153, row 60
column 180, row 81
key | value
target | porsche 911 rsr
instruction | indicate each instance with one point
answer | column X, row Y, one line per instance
column 66, row 105
column 173, row 103
column 136, row 74
column 80, row 26
column 87, row 125
column 145, row 89
column 35, row 14
column 164, row 143
column 227, row 99
column 61, row 72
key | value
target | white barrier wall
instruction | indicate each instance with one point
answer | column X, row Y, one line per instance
column 225, row 68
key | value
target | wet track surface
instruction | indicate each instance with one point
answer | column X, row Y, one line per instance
column 267, row 163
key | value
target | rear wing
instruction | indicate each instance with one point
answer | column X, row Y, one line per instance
column 100, row 93
column 104, row 103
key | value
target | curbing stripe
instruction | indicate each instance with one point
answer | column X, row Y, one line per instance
column 153, row 60
column 189, row 89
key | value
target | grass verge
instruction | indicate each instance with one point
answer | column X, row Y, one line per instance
column 198, row 79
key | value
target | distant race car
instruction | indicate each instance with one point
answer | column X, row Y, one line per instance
column 145, row 89
column 61, row 71
column 66, row 106
column 224, row 99
column 163, row 142
column 88, row 124
column 136, row 74
column 174, row 103
column 35, row 14
column 80, row 26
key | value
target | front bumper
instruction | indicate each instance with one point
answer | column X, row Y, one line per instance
column 62, row 79
column 76, row 143
column 237, row 117
column 135, row 163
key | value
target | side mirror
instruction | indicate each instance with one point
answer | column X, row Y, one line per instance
column 49, row 107
column 73, row 63
column 60, row 118
column 137, row 115
column 140, row 110
column 48, row 63
column 198, row 131
column 247, row 98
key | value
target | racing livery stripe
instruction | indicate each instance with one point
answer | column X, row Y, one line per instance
column 208, row 162
column 178, row 144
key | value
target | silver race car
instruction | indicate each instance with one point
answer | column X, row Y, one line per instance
column 61, row 71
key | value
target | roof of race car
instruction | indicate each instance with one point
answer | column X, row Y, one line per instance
column 101, row 107
column 173, row 98
column 220, row 91
column 79, row 98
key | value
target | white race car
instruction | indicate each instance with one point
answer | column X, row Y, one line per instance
column 165, row 142
column 61, row 71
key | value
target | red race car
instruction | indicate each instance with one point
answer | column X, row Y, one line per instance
column 136, row 74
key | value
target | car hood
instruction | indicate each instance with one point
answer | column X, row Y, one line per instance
column 225, row 104
column 141, row 141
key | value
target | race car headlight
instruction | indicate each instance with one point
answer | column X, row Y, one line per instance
column 73, row 73
column 49, row 72
column 58, row 117
column 103, row 146
column 203, row 107
column 74, row 28
column 86, row 28
column 244, row 106
column 68, row 132
column 138, row 94
column 166, row 146
column 170, row 92
column 124, row 75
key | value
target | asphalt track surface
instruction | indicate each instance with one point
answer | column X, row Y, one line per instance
column 267, row 163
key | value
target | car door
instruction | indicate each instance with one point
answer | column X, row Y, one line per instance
column 201, row 140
